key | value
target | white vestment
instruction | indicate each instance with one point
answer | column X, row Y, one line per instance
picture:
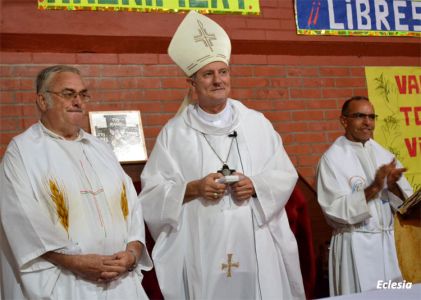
column 362, row 249
column 195, row 239
column 39, row 167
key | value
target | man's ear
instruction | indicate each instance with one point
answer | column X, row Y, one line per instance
column 342, row 119
column 42, row 102
column 191, row 82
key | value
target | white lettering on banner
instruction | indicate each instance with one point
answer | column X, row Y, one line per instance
column 387, row 285
column 398, row 15
column 415, row 15
column 363, row 14
column 383, row 13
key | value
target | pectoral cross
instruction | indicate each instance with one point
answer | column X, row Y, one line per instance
column 225, row 170
column 230, row 265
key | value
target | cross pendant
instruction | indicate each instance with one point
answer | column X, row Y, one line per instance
column 230, row 265
column 225, row 170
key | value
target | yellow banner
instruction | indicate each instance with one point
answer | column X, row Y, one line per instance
column 396, row 95
column 204, row 6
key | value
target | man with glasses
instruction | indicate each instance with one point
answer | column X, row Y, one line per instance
column 359, row 184
column 71, row 225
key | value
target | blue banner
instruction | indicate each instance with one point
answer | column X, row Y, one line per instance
column 359, row 17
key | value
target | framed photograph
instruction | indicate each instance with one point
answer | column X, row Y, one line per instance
column 123, row 131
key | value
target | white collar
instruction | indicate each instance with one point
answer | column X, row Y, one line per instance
column 221, row 119
column 80, row 135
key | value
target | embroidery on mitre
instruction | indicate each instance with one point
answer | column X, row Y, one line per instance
column 204, row 36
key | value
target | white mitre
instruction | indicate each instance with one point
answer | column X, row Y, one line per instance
column 197, row 42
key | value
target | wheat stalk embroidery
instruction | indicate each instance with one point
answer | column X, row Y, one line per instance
column 59, row 199
column 123, row 203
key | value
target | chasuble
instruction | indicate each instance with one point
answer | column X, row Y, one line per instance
column 71, row 197
column 221, row 249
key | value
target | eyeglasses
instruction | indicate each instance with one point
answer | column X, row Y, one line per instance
column 361, row 116
column 70, row 95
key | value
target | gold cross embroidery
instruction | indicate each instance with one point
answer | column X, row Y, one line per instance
column 204, row 37
column 230, row 265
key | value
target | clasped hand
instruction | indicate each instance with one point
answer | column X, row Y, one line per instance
column 103, row 268
column 212, row 190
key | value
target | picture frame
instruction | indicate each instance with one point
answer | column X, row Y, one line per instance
column 123, row 131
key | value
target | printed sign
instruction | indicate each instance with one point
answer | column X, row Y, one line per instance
column 396, row 95
column 359, row 17
column 209, row 6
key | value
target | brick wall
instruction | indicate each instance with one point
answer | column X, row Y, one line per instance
column 302, row 99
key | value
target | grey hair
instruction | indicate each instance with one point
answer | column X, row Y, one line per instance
column 44, row 77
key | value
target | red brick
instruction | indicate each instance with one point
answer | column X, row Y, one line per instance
column 249, row 59
column 286, row 82
column 29, row 121
column 10, row 110
column 308, row 160
column 7, row 97
column 7, row 84
column 310, row 137
column 259, row 105
column 269, row 71
column 287, row 25
column 307, row 172
column 27, row 84
column 298, row 149
column 357, row 71
column 272, row 93
column 262, row 23
column 332, row 136
column 96, row 58
column 15, row 57
column 292, row 127
column 164, row 95
column 334, row 72
column 287, row 139
column 9, row 124
column 165, row 59
column 240, row 94
column 290, row 104
column 361, row 92
column 318, row 104
column 275, row 116
column 90, row 70
column 305, row 93
column 318, row 82
column 350, row 82
column 141, row 59
column 171, row 106
column 241, row 71
column 155, row 119
column 337, row 93
column 54, row 58
column 248, row 82
column 151, row 131
column 6, row 137
column 332, row 125
column 307, row 115
column 106, row 83
column 247, row 34
column 29, row 110
column 30, row 71
column 121, row 71
column 320, row 148
column 332, row 114
column 177, row 83
column 2, row 150
column 302, row 71
column 161, row 70
column 6, row 71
